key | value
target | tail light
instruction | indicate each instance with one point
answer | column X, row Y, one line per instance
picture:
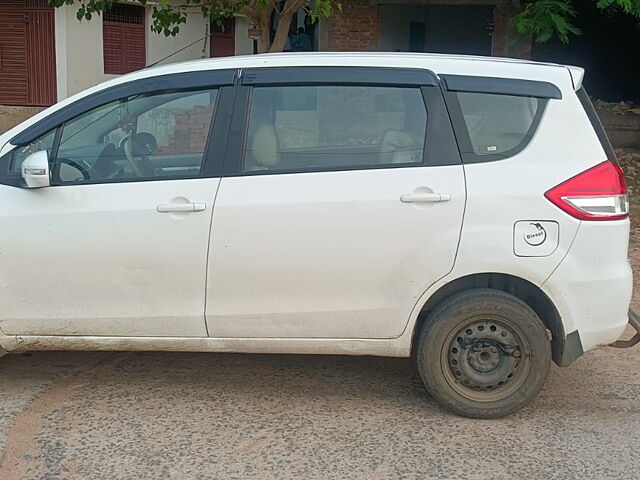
column 599, row 193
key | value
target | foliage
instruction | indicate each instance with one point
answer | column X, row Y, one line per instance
column 627, row 6
column 545, row 19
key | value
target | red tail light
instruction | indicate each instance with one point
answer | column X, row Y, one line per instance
column 599, row 193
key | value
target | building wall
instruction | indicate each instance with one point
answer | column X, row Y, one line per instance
column 10, row 116
column 159, row 46
column 79, row 49
column 355, row 28
column 81, row 64
column 506, row 42
column 456, row 29
column 81, row 60
column 394, row 34
column 244, row 45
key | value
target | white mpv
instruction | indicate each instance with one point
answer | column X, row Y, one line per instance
column 465, row 211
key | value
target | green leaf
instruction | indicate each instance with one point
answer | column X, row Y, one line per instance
column 545, row 19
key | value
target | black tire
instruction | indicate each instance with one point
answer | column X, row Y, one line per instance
column 503, row 359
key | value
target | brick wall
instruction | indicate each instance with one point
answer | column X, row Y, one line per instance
column 190, row 132
column 355, row 28
column 500, row 24
column 506, row 42
column 11, row 116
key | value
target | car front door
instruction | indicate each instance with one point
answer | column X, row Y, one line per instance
column 340, row 204
column 117, row 245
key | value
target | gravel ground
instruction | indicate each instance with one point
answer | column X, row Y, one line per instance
column 202, row 416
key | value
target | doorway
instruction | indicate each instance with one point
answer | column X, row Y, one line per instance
column 27, row 53
column 455, row 29
column 223, row 42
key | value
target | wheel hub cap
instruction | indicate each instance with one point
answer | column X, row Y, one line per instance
column 484, row 355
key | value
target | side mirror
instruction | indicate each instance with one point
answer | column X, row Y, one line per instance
column 35, row 170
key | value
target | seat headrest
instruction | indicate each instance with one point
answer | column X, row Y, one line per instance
column 143, row 143
column 264, row 146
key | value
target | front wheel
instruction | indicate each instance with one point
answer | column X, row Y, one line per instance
column 483, row 353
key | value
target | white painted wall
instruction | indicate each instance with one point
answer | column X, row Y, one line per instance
column 79, row 49
column 83, row 64
column 159, row 46
column 60, row 40
column 244, row 45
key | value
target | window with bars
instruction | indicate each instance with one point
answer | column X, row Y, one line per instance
column 28, row 4
column 123, row 28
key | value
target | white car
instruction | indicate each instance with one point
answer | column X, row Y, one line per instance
column 466, row 211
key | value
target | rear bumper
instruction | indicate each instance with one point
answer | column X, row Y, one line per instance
column 634, row 321
column 591, row 289
column 569, row 349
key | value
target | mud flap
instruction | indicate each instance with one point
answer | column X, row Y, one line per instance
column 566, row 352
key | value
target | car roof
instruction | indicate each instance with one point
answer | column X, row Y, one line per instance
column 326, row 58
column 438, row 63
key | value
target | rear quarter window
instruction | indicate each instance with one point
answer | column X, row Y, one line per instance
column 492, row 126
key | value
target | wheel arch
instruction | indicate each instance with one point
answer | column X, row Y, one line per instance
column 520, row 288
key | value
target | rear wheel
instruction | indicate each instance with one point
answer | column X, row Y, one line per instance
column 483, row 353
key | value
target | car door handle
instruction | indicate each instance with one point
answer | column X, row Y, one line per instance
column 181, row 207
column 425, row 197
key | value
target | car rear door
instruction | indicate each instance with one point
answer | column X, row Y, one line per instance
column 341, row 202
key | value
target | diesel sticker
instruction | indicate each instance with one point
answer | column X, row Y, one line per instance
column 535, row 234
column 535, row 238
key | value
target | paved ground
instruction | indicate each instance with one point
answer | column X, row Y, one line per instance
column 202, row 416
column 184, row 416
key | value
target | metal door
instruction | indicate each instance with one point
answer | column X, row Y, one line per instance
column 27, row 53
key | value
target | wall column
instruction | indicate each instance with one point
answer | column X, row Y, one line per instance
column 506, row 42
column 60, row 29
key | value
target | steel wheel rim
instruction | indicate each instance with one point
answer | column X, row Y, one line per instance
column 486, row 358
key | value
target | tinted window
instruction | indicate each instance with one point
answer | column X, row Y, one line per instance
column 499, row 124
column 297, row 128
column 149, row 137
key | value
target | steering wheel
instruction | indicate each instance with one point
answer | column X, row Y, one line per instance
column 83, row 167
column 137, row 149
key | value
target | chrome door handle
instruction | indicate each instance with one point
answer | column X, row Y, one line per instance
column 425, row 197
column 181, row 207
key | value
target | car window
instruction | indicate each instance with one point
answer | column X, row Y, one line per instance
column 152, row 137
column 499, row 124
column 45, row 142
column 298, row 128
